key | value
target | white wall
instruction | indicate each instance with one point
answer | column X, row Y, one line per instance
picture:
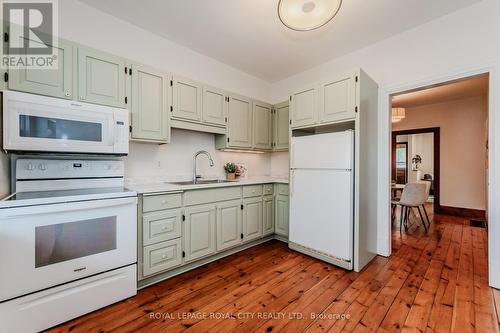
column 422, row 145
column 148, row 162
column 462, row 42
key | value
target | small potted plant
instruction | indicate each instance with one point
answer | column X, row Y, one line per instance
column 230, row 169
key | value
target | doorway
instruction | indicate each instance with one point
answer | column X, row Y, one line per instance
column 440, row 138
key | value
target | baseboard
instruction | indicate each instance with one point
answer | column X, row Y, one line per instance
column 462, row 212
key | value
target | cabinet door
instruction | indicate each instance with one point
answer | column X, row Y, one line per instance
column 252, row 218
column 281, row 128
column 228, row 224
column 262, row 126
column 56, row 82
column 161, row 226
column 337, row 99
column 304, row 107
column 101, row 78
column 162, row 256
column 268, row 215
column 186, row 99
column 214, row 106
column 150, row 113
column 199, row 232
column 239, row 126
column 282, row 215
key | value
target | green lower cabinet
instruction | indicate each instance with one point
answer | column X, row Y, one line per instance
column 161, row 257
column 268, row 215
column 229, row 219
column 49, row 82
column 161, row 226
column 252, row 218
column 199, row 231
column 282, row 213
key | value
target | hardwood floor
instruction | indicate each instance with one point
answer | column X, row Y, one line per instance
column 435, row 282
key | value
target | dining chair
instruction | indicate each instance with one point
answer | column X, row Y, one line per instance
column 413, row 196
column 427, row 193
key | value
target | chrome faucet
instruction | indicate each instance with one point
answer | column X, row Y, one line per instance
column 195, row 176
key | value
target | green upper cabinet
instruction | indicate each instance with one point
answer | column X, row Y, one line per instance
column 304, row 106
column 214, row 106
column 101, row 78
column 262, row 126
column 281, row 126
column 239, row 122
column 337, row 99
column 187, row 96
column 150, row 104
column 56, row 82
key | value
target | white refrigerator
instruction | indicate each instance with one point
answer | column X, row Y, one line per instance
column 322, row 197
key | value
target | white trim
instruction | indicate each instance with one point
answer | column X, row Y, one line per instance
column 384, row 123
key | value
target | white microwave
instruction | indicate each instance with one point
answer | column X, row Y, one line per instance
column 45, row 124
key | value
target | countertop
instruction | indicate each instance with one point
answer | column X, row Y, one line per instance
column 163, row 186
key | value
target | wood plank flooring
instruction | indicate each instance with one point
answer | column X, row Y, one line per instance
column 434, row 282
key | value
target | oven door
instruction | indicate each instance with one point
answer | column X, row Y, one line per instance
column 48, row 245
column 38, row 123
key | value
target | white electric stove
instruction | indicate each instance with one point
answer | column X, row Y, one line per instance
column 68, row 241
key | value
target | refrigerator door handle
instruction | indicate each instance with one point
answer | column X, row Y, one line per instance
column 291, row 183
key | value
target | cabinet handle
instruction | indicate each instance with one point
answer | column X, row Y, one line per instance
column 164, row 202
column 164, row 256
column 164, row 228
column 82, row 98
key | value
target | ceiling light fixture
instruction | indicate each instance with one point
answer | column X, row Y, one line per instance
column 398, row 114
column 306, row 15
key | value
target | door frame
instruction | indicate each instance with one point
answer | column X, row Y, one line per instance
column 384, row 180
column 437, row 156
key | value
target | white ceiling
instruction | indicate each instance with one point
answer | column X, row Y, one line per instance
column 248, row 35
column 471, row 87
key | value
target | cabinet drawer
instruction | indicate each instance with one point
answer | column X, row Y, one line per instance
column 161, row 226
column 199, row 197
column 162, row 256
column 283, row 189
column 268, row 189
column 159, row 202
column 252, row 191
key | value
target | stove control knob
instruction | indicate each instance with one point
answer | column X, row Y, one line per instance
column 30, row 167
column 42, row 167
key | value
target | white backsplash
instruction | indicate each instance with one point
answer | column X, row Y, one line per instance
column 148, row 162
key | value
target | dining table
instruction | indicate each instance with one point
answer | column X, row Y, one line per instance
column 397, row 188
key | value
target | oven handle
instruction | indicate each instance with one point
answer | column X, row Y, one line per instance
column 66, row 207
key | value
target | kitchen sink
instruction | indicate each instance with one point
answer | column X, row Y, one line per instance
column 201, row 181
